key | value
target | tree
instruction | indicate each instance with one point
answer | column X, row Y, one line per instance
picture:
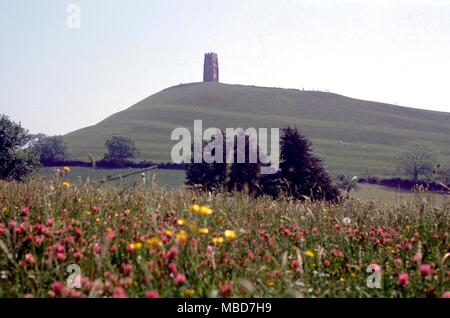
column 120, row 150
column 244, row 176
column 52, row 148
column 17, row 157
column 418, row 161
column 304, row 172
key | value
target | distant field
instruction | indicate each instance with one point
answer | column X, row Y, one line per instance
column 175, row 179
column 392, row 196
column 162, row 177
column 354, row 136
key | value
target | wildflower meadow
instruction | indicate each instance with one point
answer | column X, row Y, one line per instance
column 60, row 239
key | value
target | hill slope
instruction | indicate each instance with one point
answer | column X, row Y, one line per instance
column 354, row 136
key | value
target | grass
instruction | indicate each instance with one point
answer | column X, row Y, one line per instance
column 392, row 196
column 137, row 242
column 175, row 179
column 354, row 136
column 162, row 177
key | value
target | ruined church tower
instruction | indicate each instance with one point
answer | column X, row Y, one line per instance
column 211, row 68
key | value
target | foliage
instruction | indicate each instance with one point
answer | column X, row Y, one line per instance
column 17, row 158
column 178, row 243
column 234, row 176
column 120, row 149
column 52, row 148
column 303, row 171
column 418, row 161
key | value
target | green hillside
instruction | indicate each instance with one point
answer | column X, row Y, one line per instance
column 353, row 136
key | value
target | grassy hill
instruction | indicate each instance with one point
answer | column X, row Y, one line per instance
column 353, row 136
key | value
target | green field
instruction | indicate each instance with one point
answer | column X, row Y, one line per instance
column 175, row 179
column 353, row 136
column 161, row 177
column 392, row 196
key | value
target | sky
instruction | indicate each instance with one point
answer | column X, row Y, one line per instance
column 55, row 78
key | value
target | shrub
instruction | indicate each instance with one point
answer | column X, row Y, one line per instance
column 18, row 158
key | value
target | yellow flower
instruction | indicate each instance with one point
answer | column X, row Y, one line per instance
column 204, row 210
column 195, row 208
column 309, row 253
column 182, row 222
column 137, row 245
column 203, row 230
column 218, row 240
column 66, row 184
column 182, row 236
column 353, row 274
column 153, row 242
column 189, row 292
column 169, row 233
column 230, row 234
column 67, row 169
column 97, row 220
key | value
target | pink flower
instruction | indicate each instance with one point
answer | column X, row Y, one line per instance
column 180, row 279
column 417, row 258
column 326, row 263
column 172, row 253
column 29, row 259
column 295, row 264
column 60, row 256
column 119, row 292
column 25, row 211
column 226, row 290
column 78, row 255
column 398, row 261
column 97, row 249
column 425, row 270
column 172, row 268
column 126, row 268
column 58, row 288
column 152, row 294
column 110, row 235
column 250, row 255
column 50, row 222
column 403, row 279
column 446, row 294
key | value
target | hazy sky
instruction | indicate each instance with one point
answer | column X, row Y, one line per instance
column 54, row 79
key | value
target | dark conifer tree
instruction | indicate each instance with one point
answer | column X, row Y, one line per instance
column 303, row 172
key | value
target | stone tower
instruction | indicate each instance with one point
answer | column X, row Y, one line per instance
column 211, row 68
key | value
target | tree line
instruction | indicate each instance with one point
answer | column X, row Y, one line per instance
column 301, row 174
